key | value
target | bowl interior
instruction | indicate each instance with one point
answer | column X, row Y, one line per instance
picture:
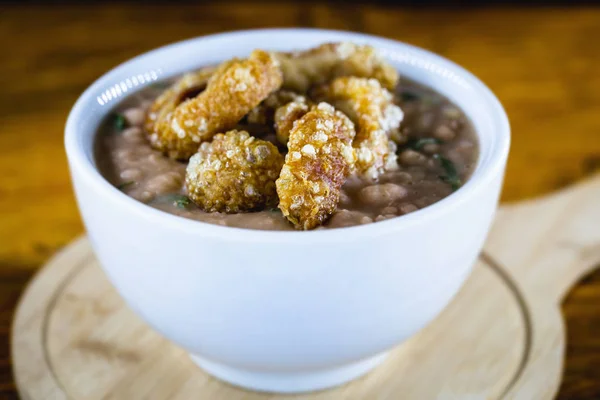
column 451, row 80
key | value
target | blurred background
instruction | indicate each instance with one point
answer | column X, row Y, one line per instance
column 540, row 58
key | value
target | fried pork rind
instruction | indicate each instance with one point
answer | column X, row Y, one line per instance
column 234, row 173
column 301, row 70
column 235, row 88
column 372, row 109
column 165, row 104
column 319, row 160
column 286, row 115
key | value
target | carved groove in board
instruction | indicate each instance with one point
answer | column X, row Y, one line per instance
column 72, row 380
column 525, row 314
column 495, row 269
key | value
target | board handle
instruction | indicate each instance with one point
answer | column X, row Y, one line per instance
column 549, row 243
column 545, row 246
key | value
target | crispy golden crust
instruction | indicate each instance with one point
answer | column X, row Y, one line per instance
column 286, row 115
column 234, row 89
column 372, row 109
column 315, row 66
column 164, row 104
column 234, row 173
column 319, row 160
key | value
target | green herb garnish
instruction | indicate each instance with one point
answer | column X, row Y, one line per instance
column 419, row 143
column 120, row 122
column 175, row 199
column 125, row 184
column 451, row 176
column 181, row 201
column 409, row 96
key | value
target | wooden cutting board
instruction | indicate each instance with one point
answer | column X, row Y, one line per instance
column 502, row 337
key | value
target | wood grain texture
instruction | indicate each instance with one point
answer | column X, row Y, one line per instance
column 541, row 62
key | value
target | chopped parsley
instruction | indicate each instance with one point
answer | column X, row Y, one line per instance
column 120, row 122
column 125, row 185
column 419, row 143
column 451, row 177
column 174, row 199
column 407, row 95
column 181, row 201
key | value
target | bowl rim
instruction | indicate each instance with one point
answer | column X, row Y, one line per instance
column 484, row 172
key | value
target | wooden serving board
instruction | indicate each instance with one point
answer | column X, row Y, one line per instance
column 502, row 337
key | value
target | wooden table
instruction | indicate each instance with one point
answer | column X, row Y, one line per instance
column 541, row 62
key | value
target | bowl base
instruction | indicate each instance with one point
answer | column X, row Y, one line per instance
column 292, row 382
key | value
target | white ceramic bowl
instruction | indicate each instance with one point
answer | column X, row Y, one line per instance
column 287, row 311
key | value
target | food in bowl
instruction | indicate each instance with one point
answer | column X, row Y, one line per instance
column 325, row 138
